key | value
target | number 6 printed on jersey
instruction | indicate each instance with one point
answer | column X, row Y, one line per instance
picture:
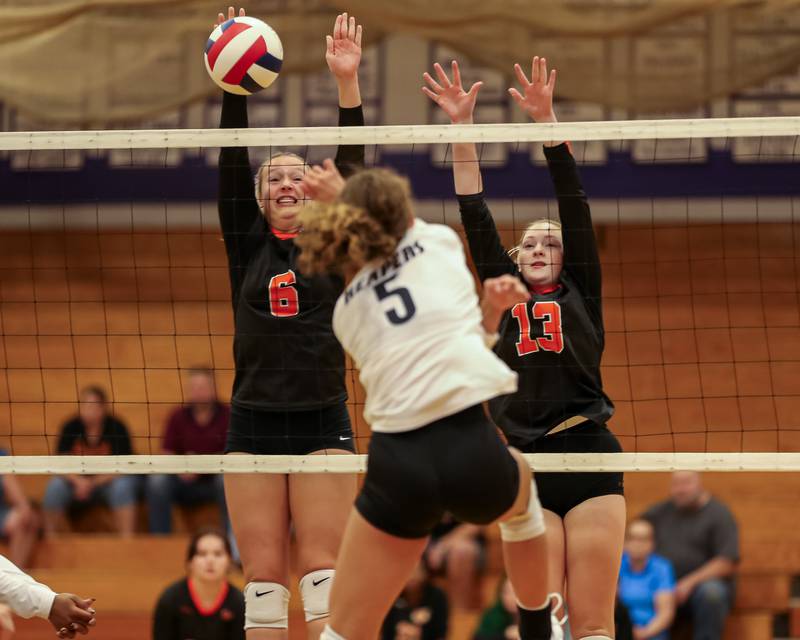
column 283, row 302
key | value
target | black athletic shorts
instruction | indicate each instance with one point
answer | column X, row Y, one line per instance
column 560, row 492
column 456, row 465
column 295, row 433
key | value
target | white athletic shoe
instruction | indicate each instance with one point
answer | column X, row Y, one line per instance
column 556, row 624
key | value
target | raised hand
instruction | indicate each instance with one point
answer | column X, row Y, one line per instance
column 323, row 184
column 343, row 53
column 231, row 14
column 536, row 97
column 450, row 96
column 504, row 292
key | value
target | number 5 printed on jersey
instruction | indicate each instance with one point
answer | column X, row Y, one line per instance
column 283, row 301
column 395, row 315
column 553, row 338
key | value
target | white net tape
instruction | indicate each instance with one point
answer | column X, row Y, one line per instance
column 547, row 462
column 402, row 134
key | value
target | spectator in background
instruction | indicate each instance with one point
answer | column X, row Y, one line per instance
column 203, row 605
column 699, row 536
column 93, row 432
column 19, row 523
column 420, row 613
column 646, row 584
column 457, row 550
column 199, row 427
column 499, row 622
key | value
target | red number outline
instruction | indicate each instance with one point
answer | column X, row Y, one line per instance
column 283, row 299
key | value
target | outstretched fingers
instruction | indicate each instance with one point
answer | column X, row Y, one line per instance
column 440, row 73
column 435, row 86
column 456, row 73
column 521, row 77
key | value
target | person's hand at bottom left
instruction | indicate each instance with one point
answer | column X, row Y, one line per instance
column 71, row 615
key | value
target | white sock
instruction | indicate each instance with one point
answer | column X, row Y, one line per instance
column 330, row 634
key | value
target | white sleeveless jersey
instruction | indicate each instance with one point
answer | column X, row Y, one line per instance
column 414, row 330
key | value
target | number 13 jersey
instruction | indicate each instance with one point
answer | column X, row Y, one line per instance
column 414, row 329
column 555, row 341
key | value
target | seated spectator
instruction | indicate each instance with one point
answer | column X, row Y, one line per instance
column 199, row 427
column 420, row 613
column 500, row 621
column 699, row 536
column 646, row 584
column 203, row 605
column 457, row 550
column 19, row 523
column 93, row 432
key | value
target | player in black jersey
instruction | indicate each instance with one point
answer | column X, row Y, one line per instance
column 289, row 390
column 203, row 605
column 554, row 342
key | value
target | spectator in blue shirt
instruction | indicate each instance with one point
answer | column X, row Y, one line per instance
column 646, row 584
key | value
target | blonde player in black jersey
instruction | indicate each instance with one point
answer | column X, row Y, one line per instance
column 289, row 391
column 554, row 342
column 409, row 317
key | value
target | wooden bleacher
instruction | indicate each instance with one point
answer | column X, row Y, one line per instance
column 127, row 575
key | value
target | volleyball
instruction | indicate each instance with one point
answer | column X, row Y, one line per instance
column 243, row 55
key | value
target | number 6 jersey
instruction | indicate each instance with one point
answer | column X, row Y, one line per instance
column 414, row 329
column 555, row 341
column 284, row 350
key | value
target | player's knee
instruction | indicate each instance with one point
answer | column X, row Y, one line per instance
column 315, row 589
column 526, row 525
column 266, row 606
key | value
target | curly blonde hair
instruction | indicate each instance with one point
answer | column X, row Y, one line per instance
column 366, row 223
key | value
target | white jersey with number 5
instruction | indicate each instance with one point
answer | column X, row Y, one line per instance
column 414, row 329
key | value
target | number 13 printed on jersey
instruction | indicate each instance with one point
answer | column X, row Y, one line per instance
column 550, row 313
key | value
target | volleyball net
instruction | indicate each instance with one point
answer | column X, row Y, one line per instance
column 113, row 274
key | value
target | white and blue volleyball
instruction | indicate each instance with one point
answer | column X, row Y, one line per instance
column 244, row 55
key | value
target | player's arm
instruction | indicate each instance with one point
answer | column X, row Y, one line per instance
column 236, row 201
column 343, row 55
column 581, row 258
column 485, row 246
